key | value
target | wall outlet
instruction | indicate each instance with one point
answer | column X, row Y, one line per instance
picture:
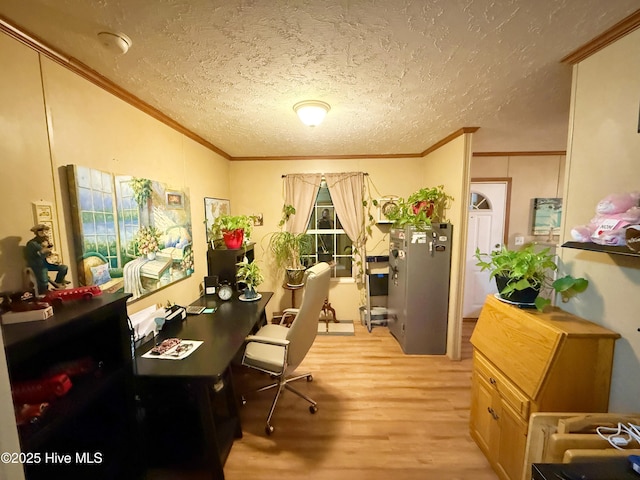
column 519, row 240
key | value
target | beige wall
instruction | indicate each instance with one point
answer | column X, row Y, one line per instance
column 52, row 117
column 603, row 156
column 532, row 176
column 257, row 187
column 450, row 166
column 49, row 118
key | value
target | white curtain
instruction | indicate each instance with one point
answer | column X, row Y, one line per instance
column 347, row 194
column 301, row 190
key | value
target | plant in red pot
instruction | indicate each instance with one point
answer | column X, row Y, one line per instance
column 232, row 228
column 433, row 201
column 420, row 208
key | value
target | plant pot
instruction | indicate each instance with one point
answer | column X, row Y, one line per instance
column 295, row 276
column 233, row 238
column 528, row 295
column 151, row 256
column 425, row 205
column 250, row 292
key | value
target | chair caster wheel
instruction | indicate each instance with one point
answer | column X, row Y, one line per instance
column 313, row 408
column 268, row 429
column 309, row 378
column 243, row 401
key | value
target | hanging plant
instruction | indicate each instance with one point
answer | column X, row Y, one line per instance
column 141, row 188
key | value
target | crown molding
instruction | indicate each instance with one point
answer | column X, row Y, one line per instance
column 94, row 77
column 521, row 154
column 619, row 30
column 84, row 71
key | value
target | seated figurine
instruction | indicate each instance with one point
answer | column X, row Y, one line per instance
column 38, row 251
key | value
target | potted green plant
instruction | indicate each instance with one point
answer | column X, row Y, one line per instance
column 232, row 228
column 521, row 275
column 289, row 248
column 251, row 276
column 420, row 208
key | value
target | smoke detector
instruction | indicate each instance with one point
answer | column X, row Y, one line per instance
column 117, row 43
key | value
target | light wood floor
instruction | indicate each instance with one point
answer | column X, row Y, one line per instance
column 382, row 415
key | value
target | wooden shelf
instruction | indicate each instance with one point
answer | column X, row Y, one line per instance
column 594, row 247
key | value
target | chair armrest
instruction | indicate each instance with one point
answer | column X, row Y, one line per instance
column 288, row 316
column 267, row 340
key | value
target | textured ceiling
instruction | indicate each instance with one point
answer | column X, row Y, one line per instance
column 400, row 75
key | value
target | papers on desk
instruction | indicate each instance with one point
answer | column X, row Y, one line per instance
column 181, row 349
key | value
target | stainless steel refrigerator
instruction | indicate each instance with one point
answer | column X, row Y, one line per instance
column 418, row 300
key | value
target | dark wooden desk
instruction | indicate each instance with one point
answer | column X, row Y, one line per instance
column 205, row 371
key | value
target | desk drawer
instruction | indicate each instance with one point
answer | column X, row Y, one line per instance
column 507, row 390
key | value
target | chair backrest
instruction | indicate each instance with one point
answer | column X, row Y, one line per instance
column 304, row 328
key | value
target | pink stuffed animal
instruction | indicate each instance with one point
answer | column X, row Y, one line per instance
column 614, row 213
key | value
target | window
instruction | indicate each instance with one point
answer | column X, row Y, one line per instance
column 479, row 202
column 330, row 243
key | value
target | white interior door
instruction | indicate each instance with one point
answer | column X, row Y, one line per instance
column 487, row 210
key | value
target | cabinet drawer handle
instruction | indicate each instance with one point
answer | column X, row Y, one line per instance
column 492, row 381
column 493, row 413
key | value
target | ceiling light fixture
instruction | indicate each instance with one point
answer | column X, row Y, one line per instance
column 311, row 112
column 117, row 43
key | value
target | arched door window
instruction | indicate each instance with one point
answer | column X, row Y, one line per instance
column 478, row 201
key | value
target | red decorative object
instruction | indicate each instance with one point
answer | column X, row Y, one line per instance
column 57, row 296
column 233, row 238
column 41, row 390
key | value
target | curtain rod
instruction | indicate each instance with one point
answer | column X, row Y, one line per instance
column 364, row 173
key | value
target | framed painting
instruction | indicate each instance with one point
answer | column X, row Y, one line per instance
column 131, row 234
column 213, row 208
column 547, row 213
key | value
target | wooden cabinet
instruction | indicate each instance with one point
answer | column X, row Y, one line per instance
column 525, row 361
column 221, row 262
column 94, row 422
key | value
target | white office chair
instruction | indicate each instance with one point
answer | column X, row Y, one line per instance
column 278, row 350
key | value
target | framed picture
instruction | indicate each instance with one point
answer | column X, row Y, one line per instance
column 130, row 234
column 547, row 213
column 213, row 208
column 385, row 205
column 174, row 199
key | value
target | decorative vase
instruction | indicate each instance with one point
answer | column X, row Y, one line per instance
column 528, row 295
column 151, row 256
column 233, row 238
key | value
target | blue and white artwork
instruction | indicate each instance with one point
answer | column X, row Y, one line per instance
column 130, row 234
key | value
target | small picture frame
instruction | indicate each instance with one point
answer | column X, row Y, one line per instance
column 213, row 208
column 547, row 213
column 174, row 199
column 384, row 206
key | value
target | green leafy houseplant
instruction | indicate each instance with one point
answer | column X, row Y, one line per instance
column 228, row 227
column 525, row 272
column 251, row 275
column 288, row 248
column 420, row 208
